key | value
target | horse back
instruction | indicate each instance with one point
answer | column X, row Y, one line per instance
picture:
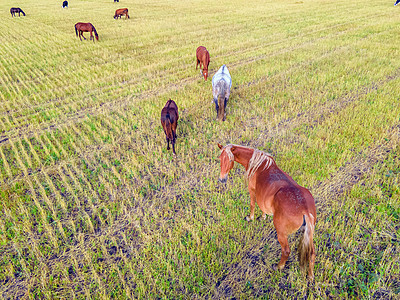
column 121, row 11
column 203, row 55
column 222, row 75
column 282, row 193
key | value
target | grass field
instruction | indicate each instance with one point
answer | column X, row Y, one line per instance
column 93, row 205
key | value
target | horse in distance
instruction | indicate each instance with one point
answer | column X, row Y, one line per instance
column 116, row 1
column 276, row 194
column 169, row 122
column 14, row 10
column 65, row 4
column 80, row 28
column 221, row 88
column 120, row 12
column 203, row 58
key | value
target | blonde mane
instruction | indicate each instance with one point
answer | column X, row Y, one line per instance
column 255, row 161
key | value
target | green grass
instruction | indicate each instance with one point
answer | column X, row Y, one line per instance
column 94, row 206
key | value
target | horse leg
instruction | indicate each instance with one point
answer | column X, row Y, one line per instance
column 167, row 144
column 216, row 106
column 197, row 63
column 173, row 147
column 311, row 264
column 284, row 224
column 252, row 206
column 80, row 35
column 283, row 241
column 225, row 102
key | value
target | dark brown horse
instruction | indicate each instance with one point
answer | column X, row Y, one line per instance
column 14, row 10
column 169, row 122
column 86, row 27
column 120, row 12
column 203, row 58
column 276, row 194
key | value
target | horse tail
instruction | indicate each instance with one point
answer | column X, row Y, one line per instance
column 95, row 32
column 168, row 127
column 306, row 246
column 221, row 99
column 76, row 30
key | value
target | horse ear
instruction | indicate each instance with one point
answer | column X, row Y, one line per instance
column 220, row 146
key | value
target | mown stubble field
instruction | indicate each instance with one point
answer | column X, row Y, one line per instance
column 93, row 206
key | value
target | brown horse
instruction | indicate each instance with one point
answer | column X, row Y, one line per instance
column 203, row 57
column 276, row 194
column 169, row 121
column 86, row 27
column 14, row 10
column 120, row 12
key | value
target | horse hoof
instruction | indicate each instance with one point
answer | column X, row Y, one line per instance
column 248, row 219
column 277, row 267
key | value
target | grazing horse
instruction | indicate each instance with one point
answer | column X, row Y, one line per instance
column 169, row 121
column 221, row 85
column 116, row 0
column 120, row 12
column 86, row 27
column 397, row 2
column 14, row 10
column 203, row 57
column 65, row 4
column 276, row 194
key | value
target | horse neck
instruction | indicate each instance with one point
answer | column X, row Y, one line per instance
column 243, row 155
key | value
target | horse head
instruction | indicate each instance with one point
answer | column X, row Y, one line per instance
column 205, row 73
column 227, row 160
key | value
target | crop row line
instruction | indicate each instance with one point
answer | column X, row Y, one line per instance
column 127, row 101
column 65, row 85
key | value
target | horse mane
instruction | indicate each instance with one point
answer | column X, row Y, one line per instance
column 256, row 160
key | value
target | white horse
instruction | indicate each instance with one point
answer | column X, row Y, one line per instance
column 221, row 84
